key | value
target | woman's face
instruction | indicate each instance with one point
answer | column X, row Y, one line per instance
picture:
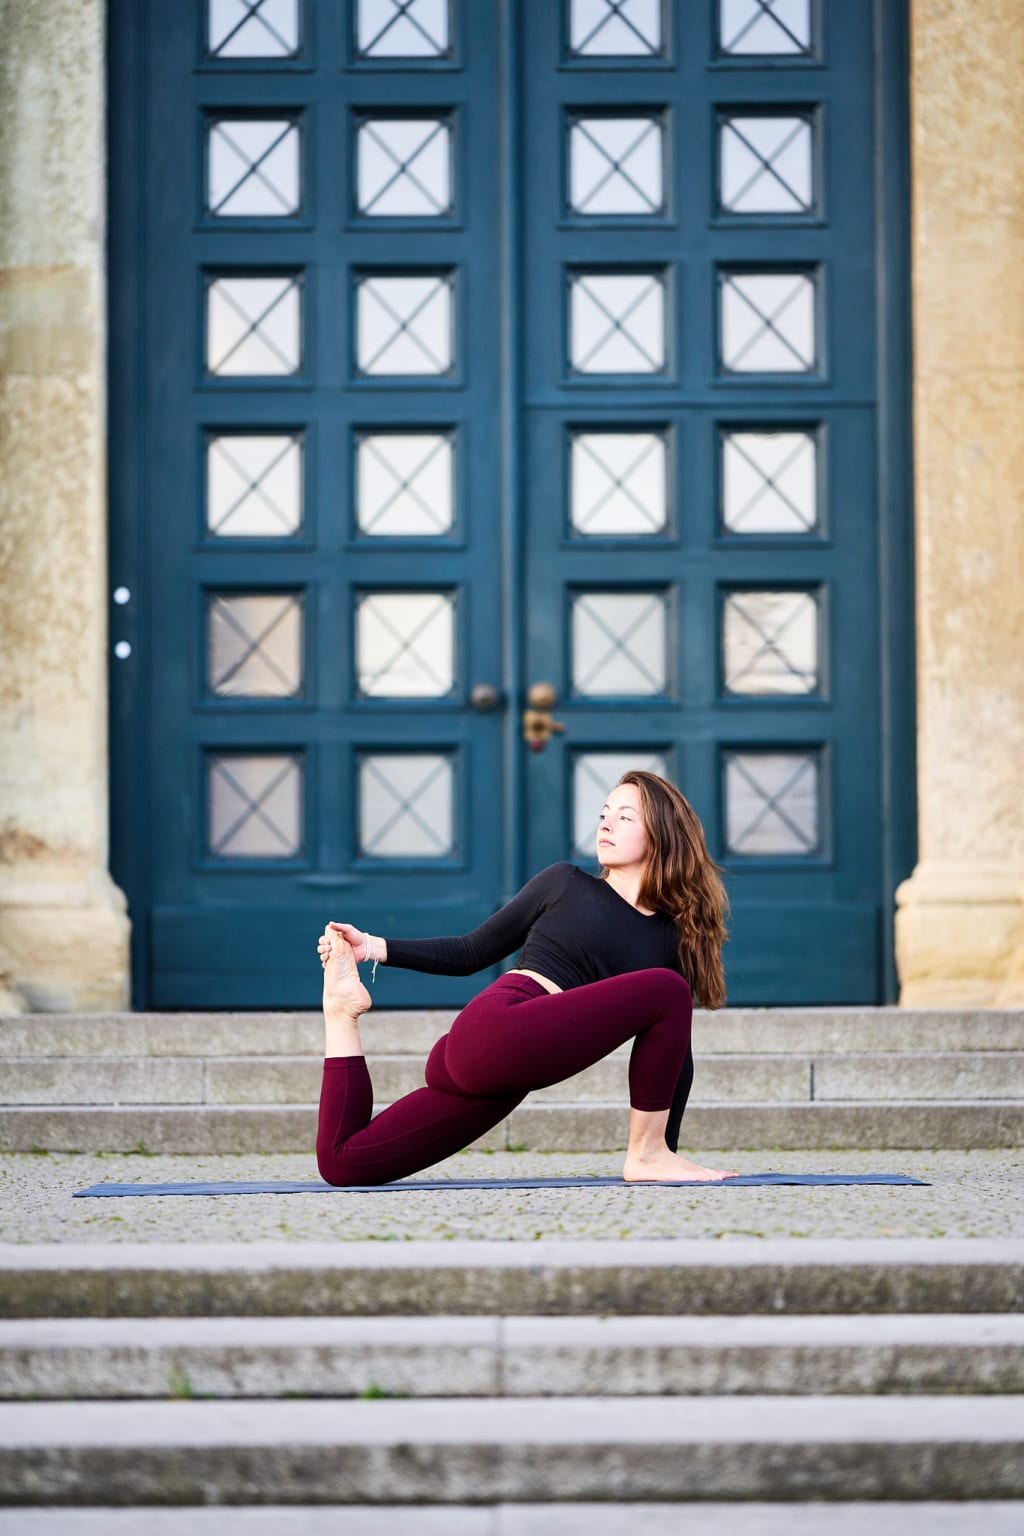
column 621, row 835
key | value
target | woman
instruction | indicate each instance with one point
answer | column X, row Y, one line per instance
column 603, row 959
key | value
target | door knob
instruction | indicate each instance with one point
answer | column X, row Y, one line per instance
column 484, row 697
column 538, row 724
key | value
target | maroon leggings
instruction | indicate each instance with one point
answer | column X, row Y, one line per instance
column 513, row 1037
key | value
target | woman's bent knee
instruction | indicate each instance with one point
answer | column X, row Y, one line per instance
column 675, row 986
column 330, row 1169
column 341, row 1171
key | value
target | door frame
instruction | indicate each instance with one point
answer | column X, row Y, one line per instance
column 129, row 534
column 896, row 527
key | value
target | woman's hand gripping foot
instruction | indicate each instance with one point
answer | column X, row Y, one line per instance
column 344, row 994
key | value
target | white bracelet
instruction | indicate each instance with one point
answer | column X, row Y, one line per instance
column 369, row 955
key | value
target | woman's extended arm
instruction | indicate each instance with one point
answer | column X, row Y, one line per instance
column 492, row 941
column 495, row 938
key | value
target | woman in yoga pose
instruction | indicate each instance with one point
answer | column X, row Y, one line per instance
column 603, row 959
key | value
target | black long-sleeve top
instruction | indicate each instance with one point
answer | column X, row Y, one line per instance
column 570, row 927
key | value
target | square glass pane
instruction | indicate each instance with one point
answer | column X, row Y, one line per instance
column 254, row 645
column 617, row 322
column 767, row 322
column 771, row 803
column 402, row 29
column 253, row 29
column 253, row 486
column 769, row 482
column 253, row 805
column 622, row 28
column 253, row 326
column 615, row 165
column 618, row 483
column 764, row 26
column 404, row 484
column 404, row 324
column 765, row 165
column 770, row 643
column 252, row 168
column 404, row 167
column 594, row 774
column 406, row 805
column 405, row 644
column 619, row 643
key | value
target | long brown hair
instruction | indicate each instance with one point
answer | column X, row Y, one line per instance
column 681, row 879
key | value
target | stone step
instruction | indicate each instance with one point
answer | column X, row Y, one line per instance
column 909, row 1124
column 695, row 1277
column 719, row 1079
column 508, row 1356
column 922, row 1075
column 995, row 1517
column 540, row 1126
column 743, row 1031
column 525, row 1449
column 296, row 1080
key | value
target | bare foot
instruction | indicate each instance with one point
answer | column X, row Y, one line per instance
column 344, row 993
column 665, row 1167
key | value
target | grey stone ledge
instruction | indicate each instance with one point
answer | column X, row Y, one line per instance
column 533, row 1126
column 742, row 1030
column 524, row 1449
column 510, row 1356
column 876, row 1518
column 734, row 1079
column 547, row 1278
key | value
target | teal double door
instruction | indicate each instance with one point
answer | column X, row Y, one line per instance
column 461, row 348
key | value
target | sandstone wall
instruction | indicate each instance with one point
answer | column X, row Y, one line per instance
column 63, row 928
column 960, row 923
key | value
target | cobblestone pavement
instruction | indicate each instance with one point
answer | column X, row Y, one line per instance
column 970, row 1194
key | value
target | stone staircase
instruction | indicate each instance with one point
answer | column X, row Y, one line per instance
column 631, row 1375
column 484, row 1388
column 766, row 1078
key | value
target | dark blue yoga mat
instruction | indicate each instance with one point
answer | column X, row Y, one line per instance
column 271, row 1187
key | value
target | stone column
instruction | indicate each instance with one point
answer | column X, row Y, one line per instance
column 63, row 925
column 960, row 919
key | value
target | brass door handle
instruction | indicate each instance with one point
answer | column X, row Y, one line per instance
column 538, row 724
